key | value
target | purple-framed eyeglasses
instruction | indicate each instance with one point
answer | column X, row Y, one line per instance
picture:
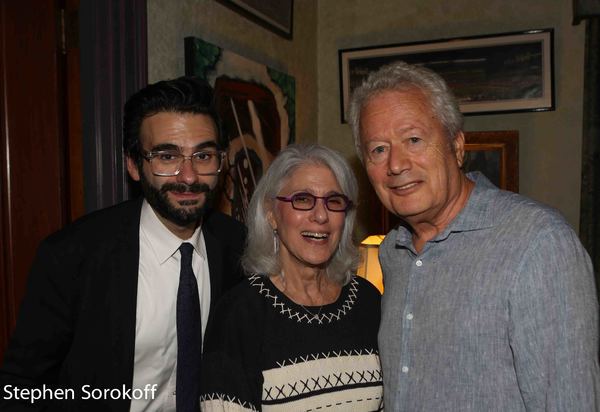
column 336, row 202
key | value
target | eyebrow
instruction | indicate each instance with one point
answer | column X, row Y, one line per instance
column 310, row 192
column 170, row 146
column 411, row 129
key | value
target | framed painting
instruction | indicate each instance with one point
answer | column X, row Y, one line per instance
column 493, row 153
column 256, row 105
column 509, row 72
column 496, row 155
column 274, row 15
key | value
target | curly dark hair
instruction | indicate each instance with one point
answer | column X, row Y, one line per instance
column 181, row 95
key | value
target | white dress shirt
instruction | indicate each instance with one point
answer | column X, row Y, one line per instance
column 155, row 329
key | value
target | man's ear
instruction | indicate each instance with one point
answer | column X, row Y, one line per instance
column 459, row 148
column 132, row 169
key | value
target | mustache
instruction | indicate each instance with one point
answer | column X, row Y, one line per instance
column 182, row 187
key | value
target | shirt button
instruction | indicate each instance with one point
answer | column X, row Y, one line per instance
column 419, row 263
column 409, row 316
column 405, row 369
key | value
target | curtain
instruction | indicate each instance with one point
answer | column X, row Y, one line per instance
column 114, row 65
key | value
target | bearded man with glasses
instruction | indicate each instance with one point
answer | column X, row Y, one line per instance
column 118, row 302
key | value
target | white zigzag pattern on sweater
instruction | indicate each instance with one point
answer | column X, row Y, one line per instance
column 259, row 282
column 326, row 355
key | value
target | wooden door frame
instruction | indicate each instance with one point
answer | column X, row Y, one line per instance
column 125, row 48
column 35, row 196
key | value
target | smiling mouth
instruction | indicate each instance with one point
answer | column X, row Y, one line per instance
column 189, row 194
column 315, row 235
column 405, row 187
column 186, row 198
column 186, row 195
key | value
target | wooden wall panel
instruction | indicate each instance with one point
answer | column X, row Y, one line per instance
column 4, row 281
column 34, row 194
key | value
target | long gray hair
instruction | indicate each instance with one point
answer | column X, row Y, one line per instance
column 259, row 256
column 402, row 76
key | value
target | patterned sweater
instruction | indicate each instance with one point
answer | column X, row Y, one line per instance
column 264, row 352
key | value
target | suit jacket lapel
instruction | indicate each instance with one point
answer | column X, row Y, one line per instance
column 124, row 300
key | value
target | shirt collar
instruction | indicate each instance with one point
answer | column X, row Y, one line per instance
column 163, row 242
column 477, row 214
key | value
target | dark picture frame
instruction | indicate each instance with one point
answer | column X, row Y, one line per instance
column 494, row 153
column 500, row 73
column 274, row 15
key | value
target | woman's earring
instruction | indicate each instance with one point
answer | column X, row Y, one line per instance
column 275, row 242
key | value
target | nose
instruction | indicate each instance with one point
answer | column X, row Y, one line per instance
column 187, row 174
column 319, row 213
column 398, row 162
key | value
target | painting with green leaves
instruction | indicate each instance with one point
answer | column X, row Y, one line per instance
column 257, row 107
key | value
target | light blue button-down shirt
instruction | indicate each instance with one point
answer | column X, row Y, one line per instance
column 497, row 313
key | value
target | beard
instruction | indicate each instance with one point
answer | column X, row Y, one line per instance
column 181, row 216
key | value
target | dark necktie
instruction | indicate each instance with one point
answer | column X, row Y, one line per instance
column 189, row 335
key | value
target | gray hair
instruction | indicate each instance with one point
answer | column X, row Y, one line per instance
column 402, row 76
column 259, row 256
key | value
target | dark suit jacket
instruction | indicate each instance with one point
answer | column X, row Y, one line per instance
column 76, row 325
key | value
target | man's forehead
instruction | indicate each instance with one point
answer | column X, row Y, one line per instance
column 408, row 97
column 400, row 110
column 164, row 127
column 171, row 119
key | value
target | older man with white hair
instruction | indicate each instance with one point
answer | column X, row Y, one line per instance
column 490, row 302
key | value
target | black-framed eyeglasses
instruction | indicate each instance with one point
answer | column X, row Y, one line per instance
column 169, row 162
column 307, row 201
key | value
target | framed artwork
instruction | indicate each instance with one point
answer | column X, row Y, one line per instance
column 493, row 153
column 256, row 105
column 496, row 155
column 510, row 72
column 275, row 15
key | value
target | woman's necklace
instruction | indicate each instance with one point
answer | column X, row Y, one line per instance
column 312, row 315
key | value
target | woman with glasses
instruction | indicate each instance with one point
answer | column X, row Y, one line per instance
column 301, row 333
